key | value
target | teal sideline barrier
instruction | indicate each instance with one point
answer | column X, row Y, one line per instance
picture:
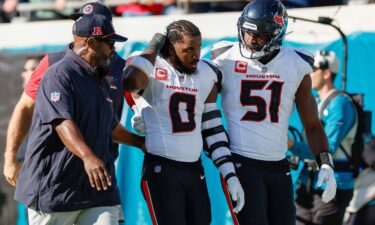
column 129, row 164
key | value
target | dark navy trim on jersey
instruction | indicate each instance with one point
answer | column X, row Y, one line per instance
column 218, row 73
column 307, row 58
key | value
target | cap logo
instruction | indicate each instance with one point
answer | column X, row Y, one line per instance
column 279, row 19
column 249, row 26
column 97, row 31
column 88, row 9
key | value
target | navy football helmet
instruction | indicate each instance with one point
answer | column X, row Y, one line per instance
column 262, row 17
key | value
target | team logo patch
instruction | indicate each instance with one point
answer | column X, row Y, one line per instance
column 240, row 67
column 161, row 74
column 97, row 31
column 157, row 169
column 55, row 96
column 279, row 19
column 88, row 9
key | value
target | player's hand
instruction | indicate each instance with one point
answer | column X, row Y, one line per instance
column 97, row 173
column 138, row 124
column 237, row 193
column 11, row 171
column 157, row 42
column 326, row 175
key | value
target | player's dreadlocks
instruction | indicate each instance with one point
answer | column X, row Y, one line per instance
column 175, row 31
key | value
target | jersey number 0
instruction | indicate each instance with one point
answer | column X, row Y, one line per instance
column 250, row 100
column 176, row 102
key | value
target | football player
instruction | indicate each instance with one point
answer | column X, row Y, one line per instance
column 180, row 92
column 261, row 81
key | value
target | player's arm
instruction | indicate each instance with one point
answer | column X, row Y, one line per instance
column 217, row 147
column 215, row 137
column 308, row 112
column 18, row 127
column 122, row 135
column 316, row 138
column 137, row 70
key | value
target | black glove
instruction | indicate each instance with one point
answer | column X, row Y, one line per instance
column 157, row 42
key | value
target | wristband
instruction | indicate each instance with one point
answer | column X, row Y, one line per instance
column 142, row 64
column 324, row 158
column 229, row 175
column 157, row 42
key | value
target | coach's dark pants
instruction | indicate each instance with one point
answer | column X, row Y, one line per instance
column 176, row 192
column 268, row 192
column 311, row 210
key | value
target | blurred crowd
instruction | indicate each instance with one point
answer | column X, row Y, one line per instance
column 8, row 8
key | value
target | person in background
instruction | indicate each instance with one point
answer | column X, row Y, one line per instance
column 7, row 10
column 30, row 65
column 339, row 118
column 361, row 209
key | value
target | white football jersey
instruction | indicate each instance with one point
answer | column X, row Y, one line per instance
column 258, row 100
column 174, row 112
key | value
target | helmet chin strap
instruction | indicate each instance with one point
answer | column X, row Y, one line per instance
column 245, row 52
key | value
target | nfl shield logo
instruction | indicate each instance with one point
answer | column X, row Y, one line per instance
column 264, row 69
column 55, row 96
column 157, row 169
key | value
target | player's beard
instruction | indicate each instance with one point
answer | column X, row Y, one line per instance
column 183, row 69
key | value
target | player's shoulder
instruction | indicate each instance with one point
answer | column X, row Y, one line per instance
column 214, row 71
column 208, row 63
column 301, row 55
column 222, row 48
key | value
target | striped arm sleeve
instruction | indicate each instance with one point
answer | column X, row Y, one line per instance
column 216, row 140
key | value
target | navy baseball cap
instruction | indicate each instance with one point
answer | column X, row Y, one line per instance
column 96, row 26
column 93, row 8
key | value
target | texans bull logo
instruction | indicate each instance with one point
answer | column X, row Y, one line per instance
column 279, row 19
